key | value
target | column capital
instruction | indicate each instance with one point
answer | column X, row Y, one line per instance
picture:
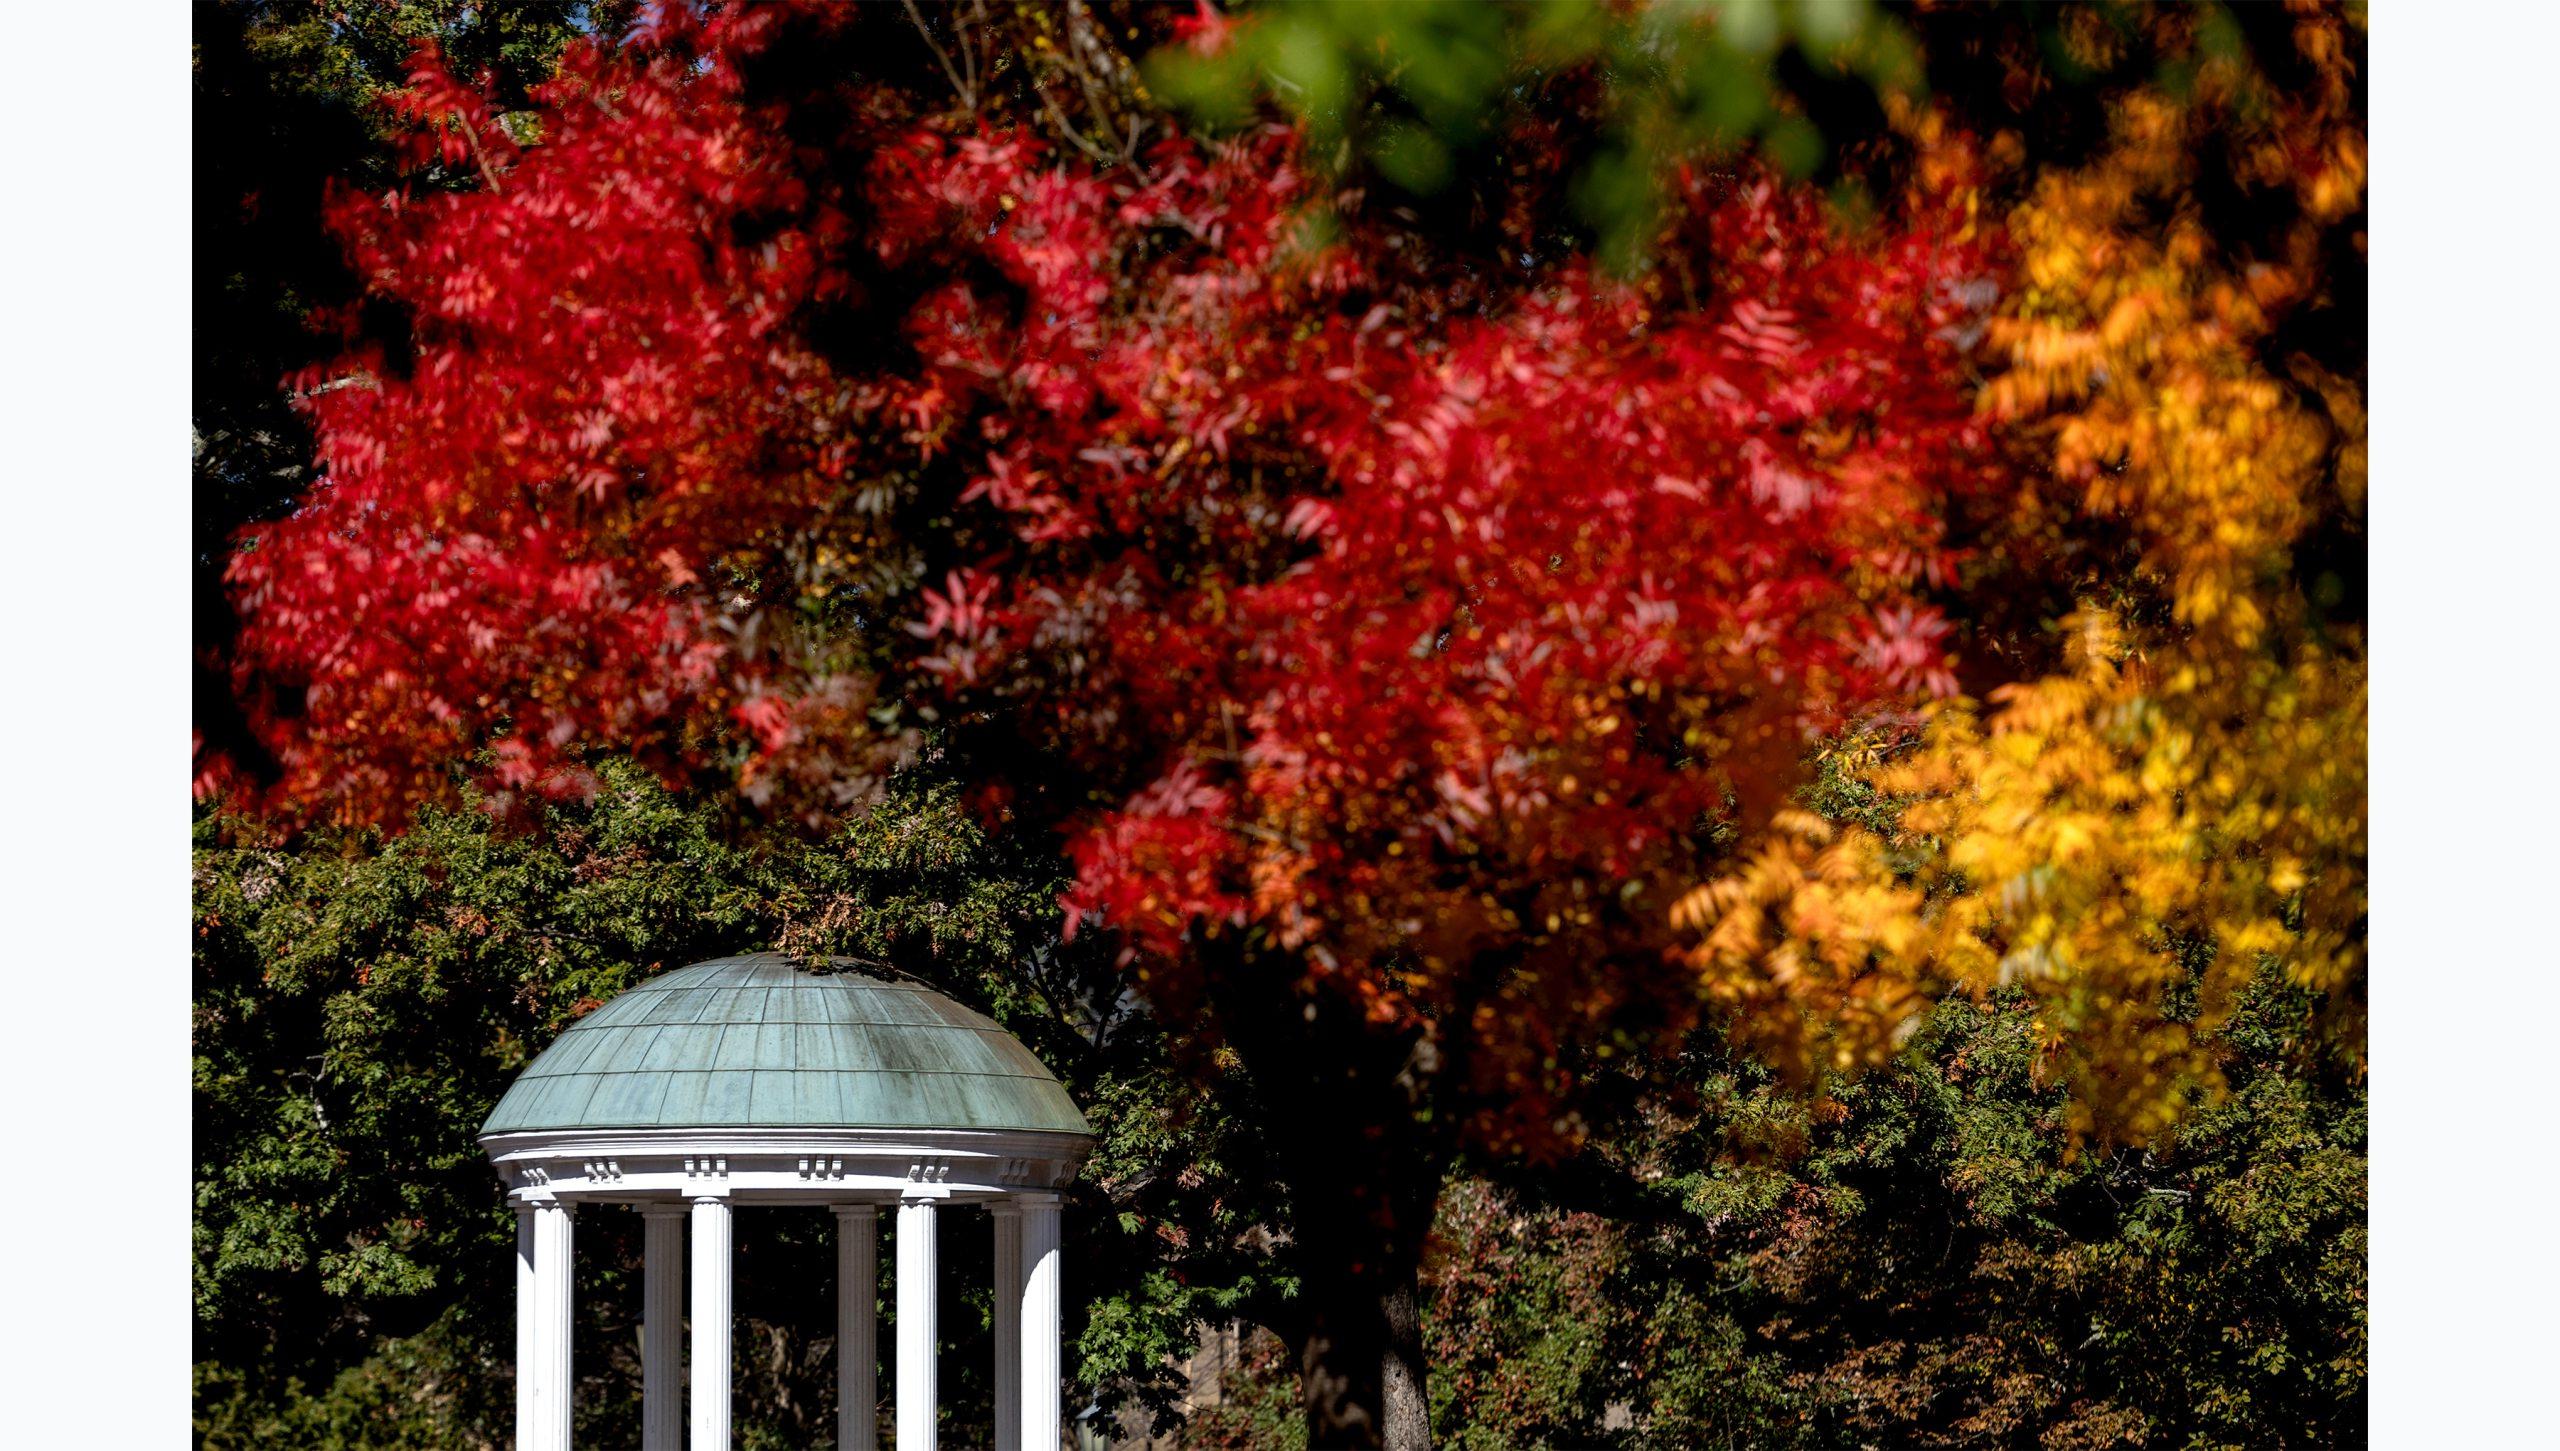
column 1035, row 1199
column 1004, row 1208
column 856, row 1211
column 665, row 1208
column 702, row 1198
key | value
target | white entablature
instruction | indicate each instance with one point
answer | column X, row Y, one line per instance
column 781, row 1166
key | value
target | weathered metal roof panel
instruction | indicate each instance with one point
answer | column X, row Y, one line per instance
column 764, row 1041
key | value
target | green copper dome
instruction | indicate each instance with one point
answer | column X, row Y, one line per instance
column 767, row 1042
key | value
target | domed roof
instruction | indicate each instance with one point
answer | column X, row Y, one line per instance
column 766, row 1041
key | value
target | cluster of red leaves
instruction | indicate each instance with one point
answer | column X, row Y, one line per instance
column 602, row 397
column 1410, row 628
column 1434, row 638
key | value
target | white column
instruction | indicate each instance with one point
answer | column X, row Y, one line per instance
column 711, row 1368
column 1041, row 1425
column 1008, row 1229
column 528, row 1315
column 554, row 1386
column 916, row 1326
column 662, row 1329
column 857, row 1330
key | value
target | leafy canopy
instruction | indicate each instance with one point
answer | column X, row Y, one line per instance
column 1411, row 625
column 2133, row 835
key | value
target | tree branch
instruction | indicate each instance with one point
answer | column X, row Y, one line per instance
column 968, row 93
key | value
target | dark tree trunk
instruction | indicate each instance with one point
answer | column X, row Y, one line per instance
column 1361, row 1373
column 1346, row 1110
column 1408, row 1384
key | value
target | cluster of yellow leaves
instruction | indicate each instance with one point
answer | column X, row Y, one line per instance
column 2133, row 837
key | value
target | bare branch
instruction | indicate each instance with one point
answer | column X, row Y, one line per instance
column 968, row 92
column 488, row 173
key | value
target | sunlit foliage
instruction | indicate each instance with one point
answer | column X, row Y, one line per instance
column 1382, row 602
column 1383, row 634
column 1302, row 564
column 2131, row 835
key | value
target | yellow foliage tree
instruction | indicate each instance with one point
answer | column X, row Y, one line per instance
column 2132, row 837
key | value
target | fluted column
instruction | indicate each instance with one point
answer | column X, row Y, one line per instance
column 857, row 1328
column 555, row 1398
column 711, row 1368
column 528, row 1315
column 917, row 1328
column 662, row 1329
column 1041, row 1424
column 1008, row 1228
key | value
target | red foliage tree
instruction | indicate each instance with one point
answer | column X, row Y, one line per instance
column 1387, row 641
